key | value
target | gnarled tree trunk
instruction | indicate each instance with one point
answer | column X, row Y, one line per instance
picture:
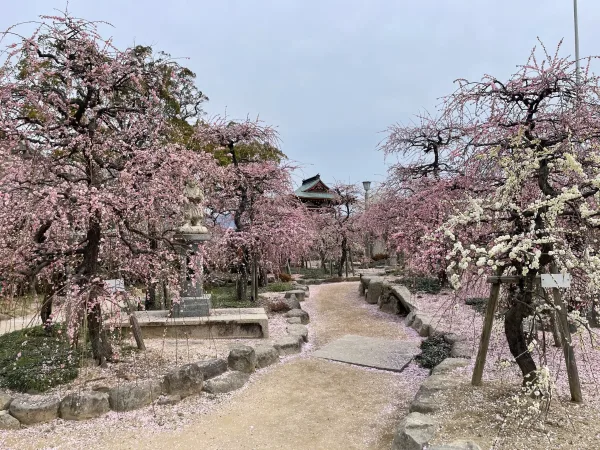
column 101, row 347
column 343, row 258
column 520, row 307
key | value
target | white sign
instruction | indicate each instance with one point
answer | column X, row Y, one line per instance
column 117, row 285
column 556, row 280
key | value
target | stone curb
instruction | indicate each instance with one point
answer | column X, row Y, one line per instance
column 418, row 427
column 206, row 375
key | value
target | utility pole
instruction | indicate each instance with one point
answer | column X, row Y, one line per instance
column 577, row 65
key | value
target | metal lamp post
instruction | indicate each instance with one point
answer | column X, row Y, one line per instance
column 367, row 187
column 577, row 67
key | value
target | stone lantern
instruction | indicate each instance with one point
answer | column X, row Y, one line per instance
column 190, row 235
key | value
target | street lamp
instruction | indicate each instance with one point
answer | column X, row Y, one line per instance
column 577, row 68
column 367, row 186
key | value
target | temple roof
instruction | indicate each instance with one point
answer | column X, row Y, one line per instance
column 313, row 188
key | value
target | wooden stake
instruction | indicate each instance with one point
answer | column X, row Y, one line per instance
column 572, row 372
column 484, row 343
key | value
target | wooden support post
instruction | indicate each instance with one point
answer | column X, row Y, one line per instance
column 572, row 372
column 135, row 327
column 486, row 333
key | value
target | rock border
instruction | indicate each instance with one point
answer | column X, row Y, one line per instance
column 212, row 376
column 418, row 428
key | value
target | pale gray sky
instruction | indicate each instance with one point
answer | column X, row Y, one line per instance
column 331, row 75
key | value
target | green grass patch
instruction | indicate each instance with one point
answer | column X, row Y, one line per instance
column 428, row 285
column 36, row 360
column 479, row 304
column 310, row 273
column 278, row 286
column 226, row 297
column 434, row 350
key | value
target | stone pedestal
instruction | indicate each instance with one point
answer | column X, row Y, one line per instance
column 193, row 301
column 193, row 306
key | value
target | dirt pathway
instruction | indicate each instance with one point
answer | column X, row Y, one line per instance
column 304, row 403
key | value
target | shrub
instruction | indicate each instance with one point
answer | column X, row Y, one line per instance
column 479, row 304
column 278, row 305
column 278, row 286
column 309, row 273
column 425, row 284
column 36, row 360
column 380, row 256
column 285, row 277
column 434, row 350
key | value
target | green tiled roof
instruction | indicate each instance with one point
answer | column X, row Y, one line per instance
column 308, row 184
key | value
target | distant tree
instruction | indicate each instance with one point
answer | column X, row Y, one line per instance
column 256, row 194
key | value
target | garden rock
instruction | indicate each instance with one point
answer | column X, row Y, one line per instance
column 424, row 402
column 461, row 350
column 134, row 395
column 266, row 355
column 291, row 302
column 35, row 409
column 422, row 324
column 294, row 320
column 448, row 365
column 212, row 367
column 288, row 345
column 298, row 330
column 374, row 292
column 8, row 422
column 229, row 381
column 416, row 430
column 459, row 445
column 185, row 381
column 5, row 400
column 439, row 382
column 452, row 338
column 84, row 405
column 298, row 293
column 169, row 399
column 304, row 318
column 242, row 358
column 408, row 321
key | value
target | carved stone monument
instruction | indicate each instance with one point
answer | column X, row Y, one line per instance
column 193, row 301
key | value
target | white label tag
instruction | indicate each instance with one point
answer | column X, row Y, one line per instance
column 556, row 280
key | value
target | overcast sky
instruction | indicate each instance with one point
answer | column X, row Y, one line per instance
column 332, row 75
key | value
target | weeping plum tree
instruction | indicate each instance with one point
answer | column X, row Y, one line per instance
column 536, row 138
column 256, row 193
column 89, row 171
column 421, row 190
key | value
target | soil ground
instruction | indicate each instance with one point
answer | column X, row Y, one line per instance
column 301, row 403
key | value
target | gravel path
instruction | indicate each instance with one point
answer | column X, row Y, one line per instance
column 302, row 403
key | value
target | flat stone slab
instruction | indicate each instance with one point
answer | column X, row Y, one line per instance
column 385, row 354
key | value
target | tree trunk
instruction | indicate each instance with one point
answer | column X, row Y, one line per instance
column 555, row 330
column 323, row 262
column 254, row 280
column 101, row 347
column 166, row 298
column 242, row 284
column 343, row 258
column 46, row 310
column 262, row 276
column 513, row 328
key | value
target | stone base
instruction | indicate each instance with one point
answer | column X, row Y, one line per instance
column 193, row 307
column 226, row 323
